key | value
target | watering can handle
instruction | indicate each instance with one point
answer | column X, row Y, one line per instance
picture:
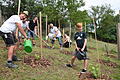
column 26, row 39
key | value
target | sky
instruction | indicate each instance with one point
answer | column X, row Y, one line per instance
column 115, row 4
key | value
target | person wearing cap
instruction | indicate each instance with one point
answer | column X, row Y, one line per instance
column 81, row 42
column 56, row 35
column 7, row 32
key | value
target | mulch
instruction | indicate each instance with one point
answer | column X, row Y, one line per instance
column 33, row 62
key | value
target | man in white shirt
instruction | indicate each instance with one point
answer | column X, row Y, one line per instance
column 57, row 34
column 7, row 32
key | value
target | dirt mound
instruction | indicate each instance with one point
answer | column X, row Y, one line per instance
column 49, row 47
column 111, row 55
column 89, row 76
column 4, row 72
column 2, row 47
column 108, row 63
column 66, row 52
column 92, row 48
column 33, row 62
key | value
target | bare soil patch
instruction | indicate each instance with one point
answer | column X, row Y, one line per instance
column 89, row 76
column 108, row 63
column 66, row 52
column 33, row 62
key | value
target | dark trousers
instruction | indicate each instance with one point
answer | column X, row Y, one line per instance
column 67, row 44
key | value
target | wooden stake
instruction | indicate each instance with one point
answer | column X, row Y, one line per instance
column 118, row 39
column 17, row 31
column 46, row 26
column 59, row 24
column 19, row 7
column 95, row 29
column 1, row 17
column 38, row 29
column 70, row 33
column 41, row 33
column 63, row 33
column 96, row 45
column 85, row 27
column 106, row 49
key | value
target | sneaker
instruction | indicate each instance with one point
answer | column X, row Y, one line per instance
column 61, row 48
column 21, row 44
column 11, row 65
column 54, row 38
column 14, row 58
column 69, row 65
column 83, row 71
column 33, row 44
column 52, row 47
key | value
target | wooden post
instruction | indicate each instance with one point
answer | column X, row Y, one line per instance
column 17, row 31
column 85, row 27
column 41, row 33
column 118, row 39
column 19, row 7
column 70, row 33
column 0, row 17
column 95, row 27
column 106, row 49
column 59, row 24
column 63, row 33
column 46, row 27
column 119, row 16
column 38, row 28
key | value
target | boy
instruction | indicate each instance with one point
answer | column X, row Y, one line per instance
column 81, row 41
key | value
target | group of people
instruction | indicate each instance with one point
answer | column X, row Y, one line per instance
column 81, row 42
column 9, row 30
column 30, row 28
column 55, row 34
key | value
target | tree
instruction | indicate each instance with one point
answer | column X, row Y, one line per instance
column 104, row 20
column 57, row 10
column 97, row 13
column 108, row 31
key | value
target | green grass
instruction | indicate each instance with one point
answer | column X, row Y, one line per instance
column 58, row 71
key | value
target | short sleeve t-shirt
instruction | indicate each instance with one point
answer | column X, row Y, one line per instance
column 32, row 25
column 25, row 25
column 80, row 38
column 53, row 31
column 10, row 24
column 68, row 39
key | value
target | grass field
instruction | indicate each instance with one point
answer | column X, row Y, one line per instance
column 56, row 60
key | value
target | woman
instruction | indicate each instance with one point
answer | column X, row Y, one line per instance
column 67, row 42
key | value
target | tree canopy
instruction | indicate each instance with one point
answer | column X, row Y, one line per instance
column 66, row 11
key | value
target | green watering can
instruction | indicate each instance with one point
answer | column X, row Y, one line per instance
column 28, row 46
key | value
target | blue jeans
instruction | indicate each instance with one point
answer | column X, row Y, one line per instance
column 59, row 40
column 30, row 34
